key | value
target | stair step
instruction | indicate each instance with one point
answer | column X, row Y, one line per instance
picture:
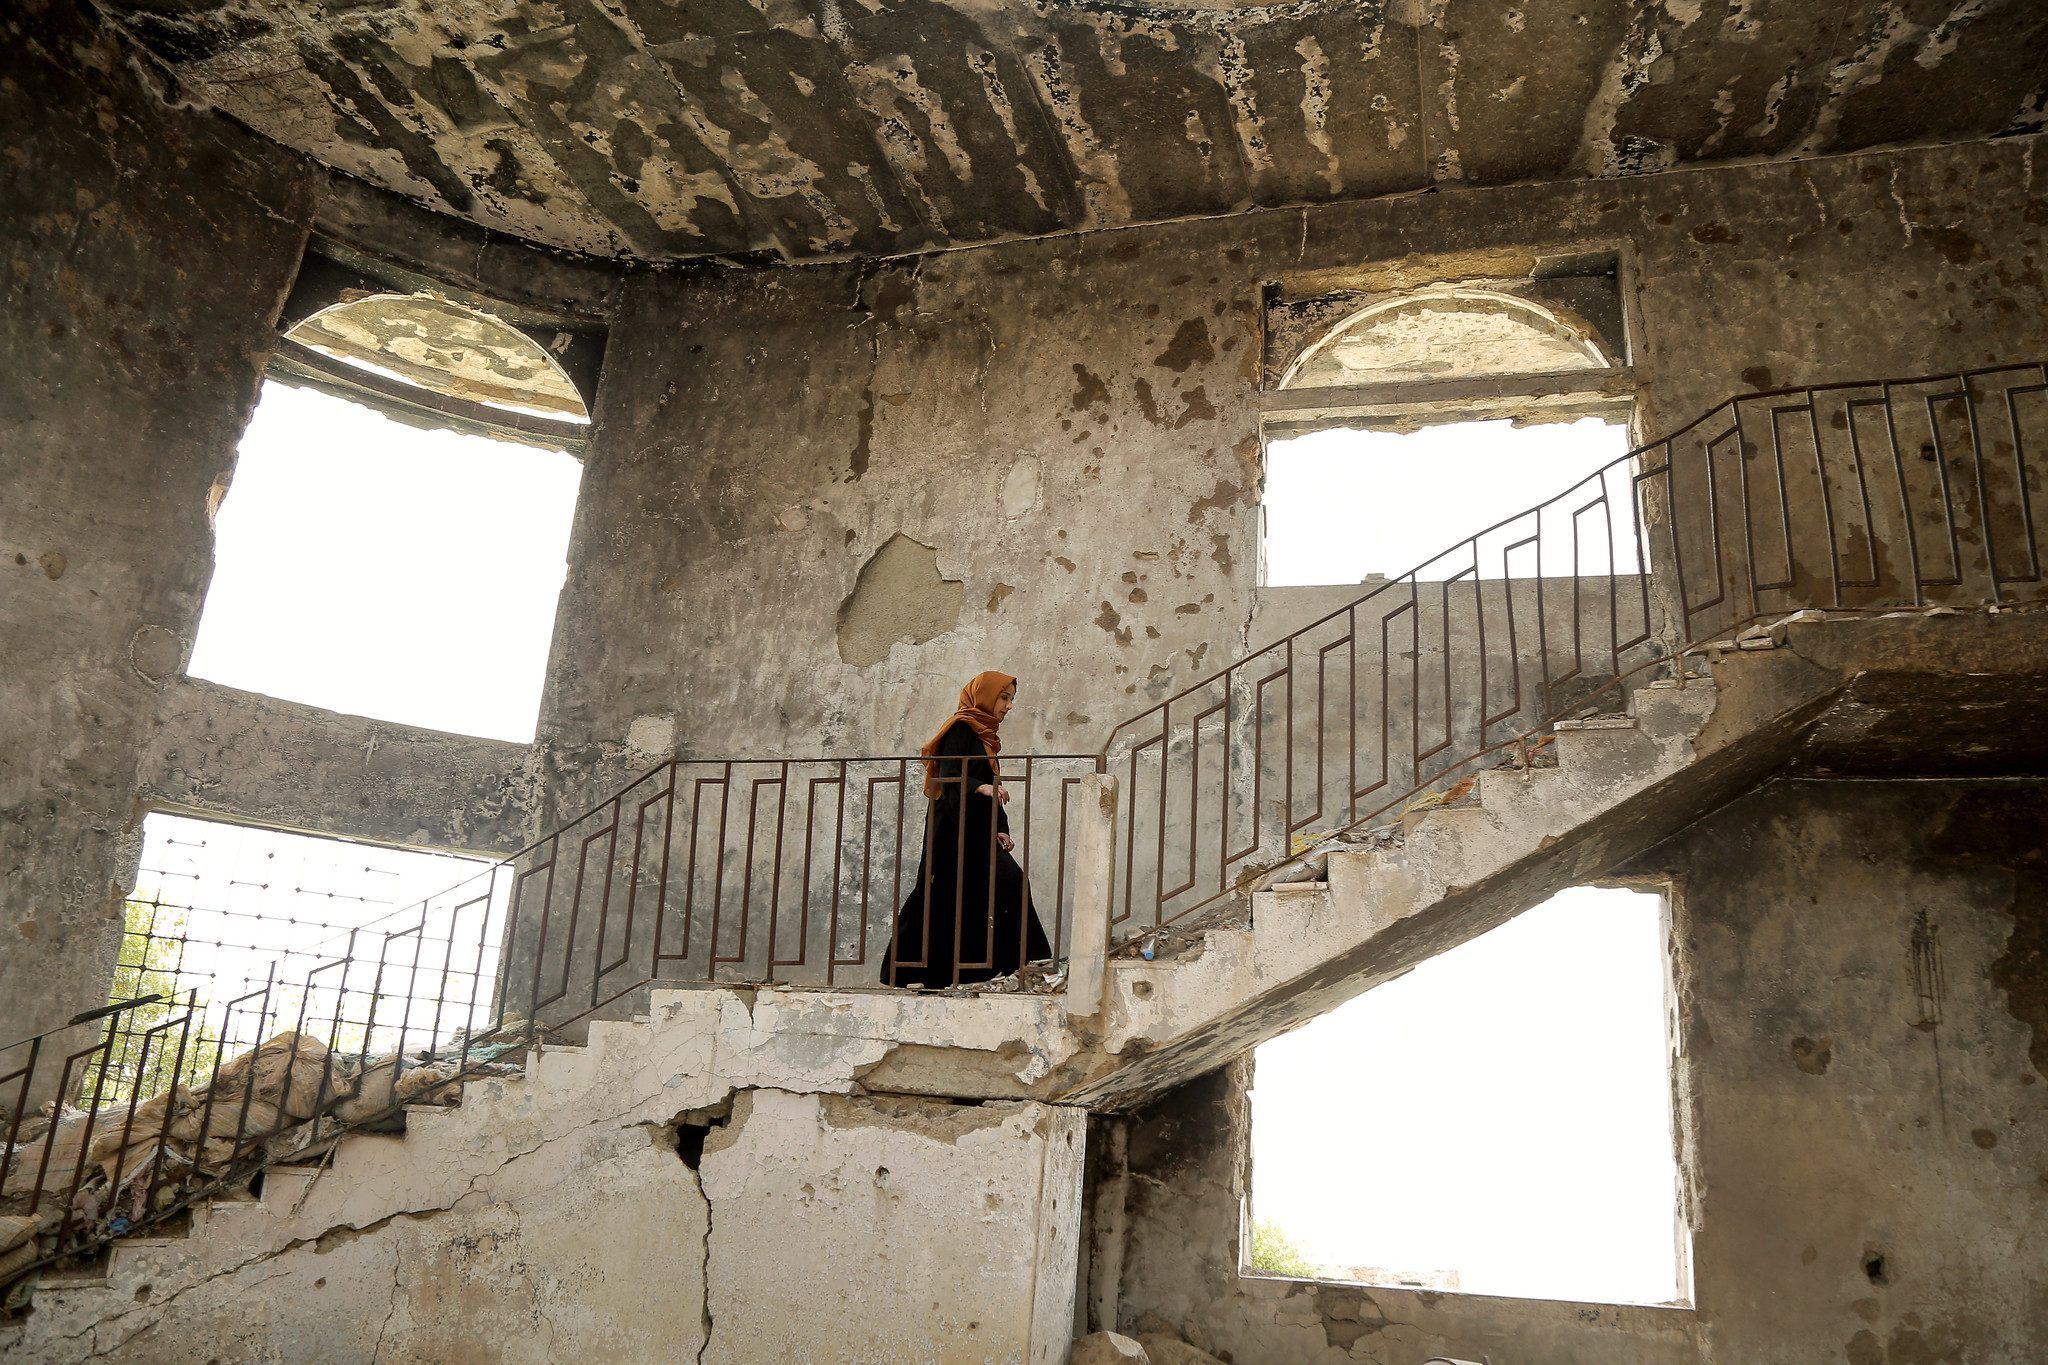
column 123, row 1251
column 1590, row 742
column 545, row 1066
column 1444, row 817
column 1696, row 699
column 208, row 1211
column 1501, row 788
column 223, row 1203
column 284, row 1186
column 1595, row 723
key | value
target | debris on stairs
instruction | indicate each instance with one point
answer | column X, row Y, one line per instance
column 75, row 1177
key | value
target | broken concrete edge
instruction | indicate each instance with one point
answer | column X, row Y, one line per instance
column 571, row 1136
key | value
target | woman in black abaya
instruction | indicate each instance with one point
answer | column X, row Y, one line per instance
column 969, row 918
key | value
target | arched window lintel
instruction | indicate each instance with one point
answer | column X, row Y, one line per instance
column 433, row 343
column 1449, row 332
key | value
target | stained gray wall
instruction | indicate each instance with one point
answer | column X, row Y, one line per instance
column 144, row 254
column 1827, row 1121
column 1066, row 423
column 143, row 258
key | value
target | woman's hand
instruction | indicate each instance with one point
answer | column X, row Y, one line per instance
column 999, row 794
column 1005, row 843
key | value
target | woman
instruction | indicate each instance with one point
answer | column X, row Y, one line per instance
column 971, row 908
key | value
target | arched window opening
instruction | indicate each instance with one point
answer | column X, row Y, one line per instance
column 394, row 538
column 445, row 348
column 1401, row 425
column 1446, row 334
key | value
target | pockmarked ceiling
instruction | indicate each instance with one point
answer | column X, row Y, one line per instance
column 669, row 129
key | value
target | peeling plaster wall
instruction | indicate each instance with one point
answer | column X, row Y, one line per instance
column 144, row 256
column 899, row 597
column 865, row 1228
column 1841, row 1116
column 1070, row 425
column 1067, row 422
column 1831, row 1122
column 146, row 252
column 665, row 130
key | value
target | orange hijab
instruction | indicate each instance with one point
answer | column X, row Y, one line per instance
column 977, row 706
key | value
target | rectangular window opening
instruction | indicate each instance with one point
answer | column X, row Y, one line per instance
column 1347, row 503
column 1498, row 1121
column 387, row 568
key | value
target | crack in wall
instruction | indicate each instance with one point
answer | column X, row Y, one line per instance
column 321, row 1242
column 342, row 1233
column 709, row 1324
column 390, row 1309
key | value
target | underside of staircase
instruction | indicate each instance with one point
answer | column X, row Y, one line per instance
column 1907, row 693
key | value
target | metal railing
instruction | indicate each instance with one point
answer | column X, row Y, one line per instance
column 1858, row 496
column 777, row 870
column 1881, row 495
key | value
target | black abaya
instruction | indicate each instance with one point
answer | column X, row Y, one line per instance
column 970, row 892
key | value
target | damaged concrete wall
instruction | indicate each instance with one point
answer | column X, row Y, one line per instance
column 660, row 130
column 928, row 1230
column 712, row 1185
column 146, row 251
column 1870, row 1154
column 1070, row 425
column 1863, row 1157
column 1067, row 423
column 144, row 255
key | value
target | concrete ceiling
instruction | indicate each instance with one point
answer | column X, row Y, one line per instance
column 666, row 129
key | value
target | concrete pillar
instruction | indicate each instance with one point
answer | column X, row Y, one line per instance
column 1094, row 882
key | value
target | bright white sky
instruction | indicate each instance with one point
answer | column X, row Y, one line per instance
column 1504, row 1110
column 249, row 900
column 377, row 569
column 1341, row 504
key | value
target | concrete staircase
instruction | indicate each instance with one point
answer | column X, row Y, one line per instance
column 581, row 1159
column 1384, row 900
column 600, row 1127
column 1813, row 694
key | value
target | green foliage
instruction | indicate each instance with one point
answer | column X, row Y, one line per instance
column 150, row 957
column 1275, row 1253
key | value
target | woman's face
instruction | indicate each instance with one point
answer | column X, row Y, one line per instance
column 1006, row 699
